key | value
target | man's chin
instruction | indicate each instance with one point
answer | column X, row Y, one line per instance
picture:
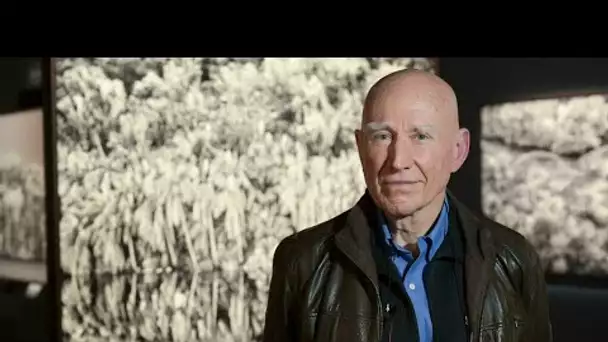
column 399, row 207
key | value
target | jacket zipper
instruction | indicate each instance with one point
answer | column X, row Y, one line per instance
column 378, row 300
column 390, row 322
column 483, row 294
column 378, row 307
column 380, row 324
column 389, row 318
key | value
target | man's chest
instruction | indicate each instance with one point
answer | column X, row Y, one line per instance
column 340, row 305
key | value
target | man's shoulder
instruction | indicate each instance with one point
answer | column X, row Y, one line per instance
column 310, row 242
column 509, row 240
column 504, row 239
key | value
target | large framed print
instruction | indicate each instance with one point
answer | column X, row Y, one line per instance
column 545, row 174
column 177, row 178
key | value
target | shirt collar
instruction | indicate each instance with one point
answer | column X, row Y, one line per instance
column 434, row 236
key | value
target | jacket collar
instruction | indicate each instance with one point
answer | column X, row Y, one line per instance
column 354, row 238
column 434, row 237
column 477, row 237
column 480, row 254
column 362, row 218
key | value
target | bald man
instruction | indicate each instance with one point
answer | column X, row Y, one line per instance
column 408, row 262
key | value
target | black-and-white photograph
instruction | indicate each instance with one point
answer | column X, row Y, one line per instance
column 179, row 177
column 545, row 174
column 22, row 189
column 22, row 192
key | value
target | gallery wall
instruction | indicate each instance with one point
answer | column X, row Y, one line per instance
column 538, row 164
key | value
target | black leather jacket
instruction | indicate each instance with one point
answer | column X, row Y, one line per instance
column 324, row 284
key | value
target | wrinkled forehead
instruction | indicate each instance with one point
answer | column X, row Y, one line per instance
column 410, row 102
column 376, row 126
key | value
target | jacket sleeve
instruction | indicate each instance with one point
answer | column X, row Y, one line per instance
column 538, row 326
column 279, row 321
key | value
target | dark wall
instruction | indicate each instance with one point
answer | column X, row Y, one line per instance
column 20, row 84
column 578, row 304
column 482, row 81
column 22, row 319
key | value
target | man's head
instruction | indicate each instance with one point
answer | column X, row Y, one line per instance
column 410, row 141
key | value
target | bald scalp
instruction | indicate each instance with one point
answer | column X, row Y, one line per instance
column 418, row 84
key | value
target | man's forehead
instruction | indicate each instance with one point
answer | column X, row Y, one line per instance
column 409, row 107
column 376, row 126
column 407, row 98
column 372, row 126
column 404, row 113
column 410, row 96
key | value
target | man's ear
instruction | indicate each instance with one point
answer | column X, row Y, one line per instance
column 359, row 139
column 461, row 150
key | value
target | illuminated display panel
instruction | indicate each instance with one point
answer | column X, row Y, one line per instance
column 545, row 174
column 22, row 197
column 178, row 178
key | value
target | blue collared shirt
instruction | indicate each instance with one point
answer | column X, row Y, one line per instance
column 412, row 280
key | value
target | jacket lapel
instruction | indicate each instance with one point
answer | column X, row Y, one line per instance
column 354, row 239
column 479, row 260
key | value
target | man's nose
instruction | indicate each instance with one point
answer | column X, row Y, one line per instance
column 401, row 154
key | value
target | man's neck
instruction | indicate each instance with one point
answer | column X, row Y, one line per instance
column 407, row 230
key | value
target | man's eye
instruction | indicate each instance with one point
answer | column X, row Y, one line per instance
column 421, row 136
column 382, row 136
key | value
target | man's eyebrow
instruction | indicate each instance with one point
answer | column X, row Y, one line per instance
column 379, row 126
column 375, row 126
column 426, row 127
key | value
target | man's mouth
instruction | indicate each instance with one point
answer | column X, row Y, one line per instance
column 400, row 182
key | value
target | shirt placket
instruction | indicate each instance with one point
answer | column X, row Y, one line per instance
column 414, row 286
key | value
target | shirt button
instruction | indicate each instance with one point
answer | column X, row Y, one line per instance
column 412, row 286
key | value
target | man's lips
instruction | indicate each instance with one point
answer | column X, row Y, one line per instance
column 399, row 182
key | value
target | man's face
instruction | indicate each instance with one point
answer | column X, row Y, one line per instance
column 409, row 145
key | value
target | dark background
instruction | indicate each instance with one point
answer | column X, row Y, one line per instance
column 578, row 304
column 20, row 84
